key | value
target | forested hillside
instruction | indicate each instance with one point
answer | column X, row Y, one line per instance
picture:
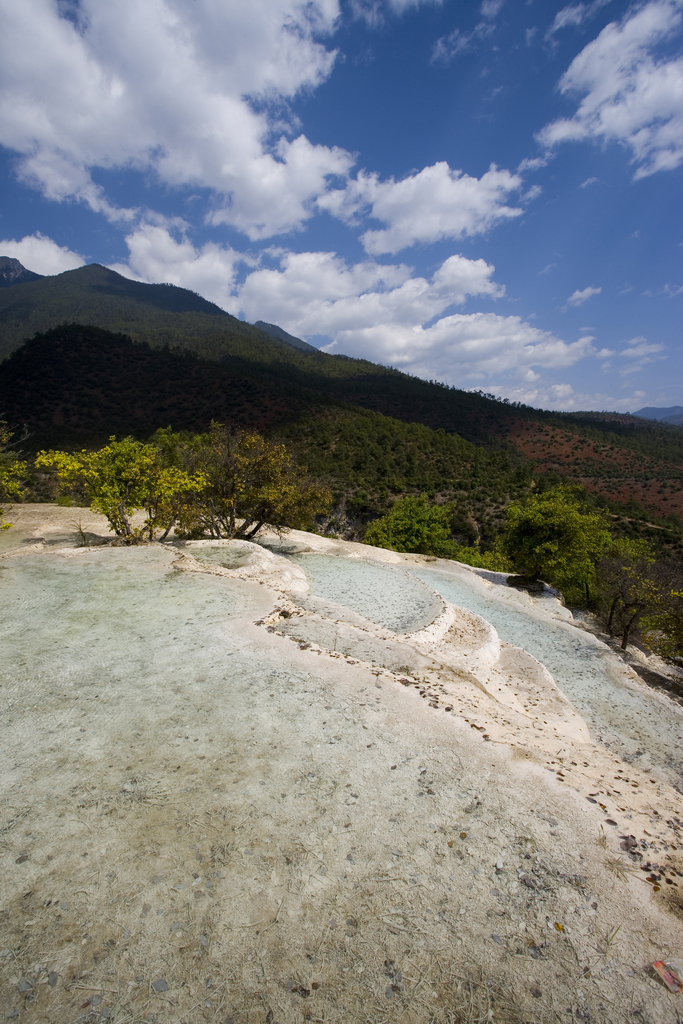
column 192, row 362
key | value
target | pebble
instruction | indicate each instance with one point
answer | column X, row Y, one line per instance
column 24, row 985
column 160, row 985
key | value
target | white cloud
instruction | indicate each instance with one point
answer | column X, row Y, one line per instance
column 385, row 314
column 463, row 347
column 630, row 95
column 166, row 87
column 381, row 312
column 575, row 14
column 373, row 11
column 578, row 298
column 435, row 203
column 40, row 254
column 587, row 182
column 448, row 47
column 490, row 8
column 157, row 256
column 639, row 352
column 318, row 293
column 562, row 397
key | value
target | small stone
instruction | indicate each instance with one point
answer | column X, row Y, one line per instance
column 204, row 940
column 146, row 907
column 498, row 940
column 52, row 979
column 21, row 859
column 64, row 906
column 12, row 1014
column 96, row 1000
column 160, row 985
column 24, row 985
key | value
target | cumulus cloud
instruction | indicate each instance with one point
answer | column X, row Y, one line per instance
column 41, row 254
column 433, row 204
column 631, row 94
column 317, row 293
column 382, row 312
column 155, row 254
column 385, row 314
column 564, row 397
column 578, row 298
column 170, row 88
column 575, row 14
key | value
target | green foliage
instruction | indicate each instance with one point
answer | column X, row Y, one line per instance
column 246, row 482
column 12, row 472
column 122, row 477
column 663, row 628
column 629, row 589
column 414, row 525
column 553, row 537
column 411, row 525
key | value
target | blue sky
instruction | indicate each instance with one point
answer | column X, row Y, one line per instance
column 483, row 193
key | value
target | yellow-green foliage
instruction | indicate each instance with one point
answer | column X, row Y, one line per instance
column 247, row 482
column 122, row 477
column 12, row 472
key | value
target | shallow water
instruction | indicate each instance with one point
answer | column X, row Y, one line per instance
column 113, row 613
column 389, row 596
column 628, row 718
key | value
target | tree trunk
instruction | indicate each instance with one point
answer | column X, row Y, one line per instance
column 627, row 630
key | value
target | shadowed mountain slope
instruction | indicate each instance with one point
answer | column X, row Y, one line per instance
column 627, row 459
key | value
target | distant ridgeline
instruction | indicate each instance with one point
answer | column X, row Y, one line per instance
column 372, row 432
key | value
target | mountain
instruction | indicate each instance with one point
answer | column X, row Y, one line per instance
column 289, row 339
column 634, row 463
column 13, row 272
column 160, row 314
column 74, row 386
column 674, row 414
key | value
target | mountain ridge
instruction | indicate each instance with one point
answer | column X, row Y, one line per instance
column 13, row 272
column 626, row 459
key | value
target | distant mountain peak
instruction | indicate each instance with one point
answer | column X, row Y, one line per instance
column 13, row 272
column 673, row 415
column 277, row 332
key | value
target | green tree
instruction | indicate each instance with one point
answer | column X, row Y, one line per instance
column 12, row 472
column 411, row 525
column 246, row 482
column 551, row 536
column 663, row 628
column 627, row 577
column 122, row 477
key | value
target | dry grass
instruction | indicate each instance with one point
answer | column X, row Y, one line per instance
column 616, row 866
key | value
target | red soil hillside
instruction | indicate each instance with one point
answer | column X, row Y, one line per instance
column 617, row 472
